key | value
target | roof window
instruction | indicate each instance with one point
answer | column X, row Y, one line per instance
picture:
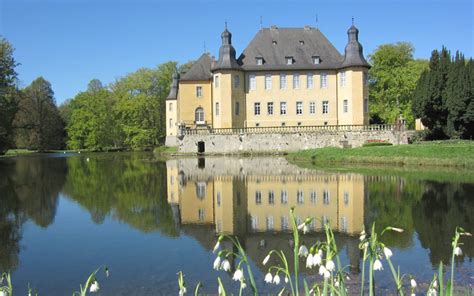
column 316, row 60
column 301, row 42
column 289, row 60
column 259, row 60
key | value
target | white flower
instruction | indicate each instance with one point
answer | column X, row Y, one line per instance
column 286, row 280
column 432, row 292
column 327, row 274
column 182, row 291
column 243, row 285
column 412, row 294
column 330, row 265
column 457, row 251
column 388, row 253
column 276, row 279
column 378, row 265
column 322, row 270
column 225, row 265
column 362, row 235
column 413, row 283
column 219, row 290
column 435, row 284
column 268, row 278
column 265, row 261
column 217, row 263
column 216, row 246
column 397, row 229
column 94, row 287
column 2, row 293
column 317, row 259
column 301, row 226
column 238, row 275
column 303, row 251
column 336, row 283
column 309, row 261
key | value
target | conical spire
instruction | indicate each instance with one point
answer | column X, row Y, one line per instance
column 227, row 60
column 354, row 55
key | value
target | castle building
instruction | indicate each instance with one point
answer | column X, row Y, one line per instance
column 285, row 77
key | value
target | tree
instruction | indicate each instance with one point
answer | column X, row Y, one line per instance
column 39, row 125
column 94, row 85
column 394, row 74
column 8, row 94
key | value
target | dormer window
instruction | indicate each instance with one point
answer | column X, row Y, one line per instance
column 259, row 61
column 301, row 42
column 289, row 60
column 274, row 42
column 316, row 60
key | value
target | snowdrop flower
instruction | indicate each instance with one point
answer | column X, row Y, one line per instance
column 2, row 293
column 286, row 280
column 265, row 261
column 330, row 265
column 268, row 278
column 225, row 265
column 309, row 261
column 217, row 263
column 412, row 294
column 327, row 274
column 243, row 285
column 303, row 251
column 432, row 292
column 388, row 253
column 317, row 259
column 219, row 290
column 457, row 251
column 322, row 270
column 238, row 275
column 216, row 247
column 336, row 283
column 362, row 235
column 378, row 265
column 94, row 287
column 276, row 279
column 182, row 291
column 413, row 283
column 87, row 159
column 435, row 284
column 303, row 226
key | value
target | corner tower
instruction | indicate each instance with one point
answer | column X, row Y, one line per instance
column 353, row 91
column 228, row 87
column 172, row 113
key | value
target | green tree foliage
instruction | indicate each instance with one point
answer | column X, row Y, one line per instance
column 393, row 79
column 91, row 121
column 8, row 94
column 444, row 96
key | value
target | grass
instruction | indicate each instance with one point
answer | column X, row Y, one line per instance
column 16, row 152
column 458, row 154
column 165, row 150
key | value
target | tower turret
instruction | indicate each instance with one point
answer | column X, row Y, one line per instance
column 227, row 60
column 354, row 55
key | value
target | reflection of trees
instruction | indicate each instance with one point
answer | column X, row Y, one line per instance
column 126, row 187
column 444, row 206
column 29, row 189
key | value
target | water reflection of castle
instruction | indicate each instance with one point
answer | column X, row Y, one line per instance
column 242, row 196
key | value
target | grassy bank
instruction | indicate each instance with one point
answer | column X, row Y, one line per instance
column 439, row 153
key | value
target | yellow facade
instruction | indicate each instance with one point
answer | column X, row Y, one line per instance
column 189, row 101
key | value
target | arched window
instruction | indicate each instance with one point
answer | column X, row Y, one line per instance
column 199, row 115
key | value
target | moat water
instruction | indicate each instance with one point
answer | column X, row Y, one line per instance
column 64, row 215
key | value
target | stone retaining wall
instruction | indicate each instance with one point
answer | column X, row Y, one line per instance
column 274, row 142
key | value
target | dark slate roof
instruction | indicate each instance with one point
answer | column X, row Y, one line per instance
column 201, row 70
column 288, row 44
column 354, row 54
column 227, row 60
column 173, row 94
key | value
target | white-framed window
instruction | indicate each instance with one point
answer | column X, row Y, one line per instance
column 269, row 222
column 326, row 197
column 299, row 108
column 325, row 107
column 236, row 81
column 282, row 81
column 199, row 91
column 282, row 108
column 289, row 60
column 324, row 80
column 299, row 196
column 316, row 60
column 313, row 197
column 284, row 197
column 312, row 107
column 271, row 197
column 346, row 198
column 201, row 190
column 345, row 106
column 324, row 221
column 256, row 108
column 216, row 81
column 268, row 81
column 270, row 108
column 258, row 197
column 254, row 222
column 344, row 224
column 259, row 61
column 217, row 109
column 171, row 122
column 309, row 80
column 284, row 223
column 170, row 107
column 343, row 79
column 237, row 108
column 218, row 198
column 199, row 115
column 296, row 81
column 366, row 105
column 201, row 214
column 252, row 82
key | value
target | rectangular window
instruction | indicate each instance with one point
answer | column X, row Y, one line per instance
column 366, row 105
column 282, row 81
column 252, row 82
column 170, row 106
column 284, row 197
column 237, row 108
column 271, row 197
column 270, row 223
column 171, row 122
column 316, row 60
column 282, row 108
column 324, row 80
column 198, row 91
column 259, row 61
column 284, row 223
column 313, row 197
column 326, row 197
column 299, row 197
column 218, row 199
column 236, row 81
column 270, row 108
column 343, row 79
column 258, row 197
column 201, row 214
column 346, row 198
column 217, row 109
column 345, row 106
column 366, row 78
column 325, row 107
column 268, row 81
column 299, row 108
column 254, row 222
column 289, row 60
column 312, row 107
column 256, row 109
column 216, row 81
column 309, row 80
column 296, row 81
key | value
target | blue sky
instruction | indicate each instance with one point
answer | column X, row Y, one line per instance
column 69, row 42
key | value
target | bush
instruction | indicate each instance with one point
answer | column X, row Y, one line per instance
column 372, row 144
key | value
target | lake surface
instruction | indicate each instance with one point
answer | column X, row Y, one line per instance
column 62, row 216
